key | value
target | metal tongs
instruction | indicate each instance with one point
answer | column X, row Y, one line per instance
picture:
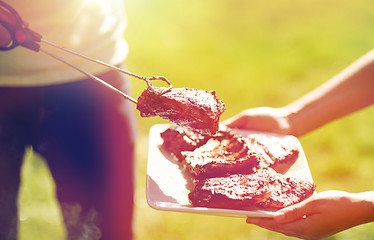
column 21, row 35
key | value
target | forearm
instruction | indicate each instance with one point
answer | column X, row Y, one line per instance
column 349, row 91
column 366, row 201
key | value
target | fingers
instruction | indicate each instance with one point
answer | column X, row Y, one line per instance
column 248, row 120
column 289, row 215
column 289, row 229
column 262, row 119
column 235, row 122
column 293, row 213
column 7, row 16
column 5, row 37
column 268, row 224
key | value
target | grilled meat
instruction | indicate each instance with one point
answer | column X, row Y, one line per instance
column 263, row 189
column 220, row 157
column 231, row 171
column 192, row 108
column 204, row 153
column 177, row 140
column 276, row 153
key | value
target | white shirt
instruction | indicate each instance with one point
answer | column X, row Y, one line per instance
column 94, row 28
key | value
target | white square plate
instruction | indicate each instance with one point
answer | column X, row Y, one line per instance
column 167, row 187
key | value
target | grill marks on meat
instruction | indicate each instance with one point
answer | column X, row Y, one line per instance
column 231, row 171
column 192, row 108
column 278, row 154
column 203, row 153
column 225, row 157
column 208, row 156
column 263, row 189
column 177, row 140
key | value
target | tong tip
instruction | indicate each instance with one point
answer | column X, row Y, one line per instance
column 157, row 91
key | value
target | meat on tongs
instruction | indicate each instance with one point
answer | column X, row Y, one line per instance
column 195, row 109
column 185, row 107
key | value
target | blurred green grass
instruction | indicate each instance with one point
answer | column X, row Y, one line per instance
column 253, row 53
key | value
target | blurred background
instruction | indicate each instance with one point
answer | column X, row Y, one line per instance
column 253, row 53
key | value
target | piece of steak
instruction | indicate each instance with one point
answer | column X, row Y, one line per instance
column 221, row 155
column 205, row 153
column 192, row 108
column 263, row 189
column 177, row 139
column 277, row 153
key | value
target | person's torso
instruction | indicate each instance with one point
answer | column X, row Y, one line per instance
column 92, row 27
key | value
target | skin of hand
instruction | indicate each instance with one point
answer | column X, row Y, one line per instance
column 347, row 92
column 322, row 215
column 5, row 38
column 263, row 119
column 329, row 212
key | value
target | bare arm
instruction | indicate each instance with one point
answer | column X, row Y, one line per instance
column 349, row 91
column 332, row 211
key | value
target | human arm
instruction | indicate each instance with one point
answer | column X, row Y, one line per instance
column 347, row 92
column 322, row 215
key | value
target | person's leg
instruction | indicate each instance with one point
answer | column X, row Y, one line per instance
column 87, row 140
column 17, row 118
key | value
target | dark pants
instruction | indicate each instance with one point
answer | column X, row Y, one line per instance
column 85, row 133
